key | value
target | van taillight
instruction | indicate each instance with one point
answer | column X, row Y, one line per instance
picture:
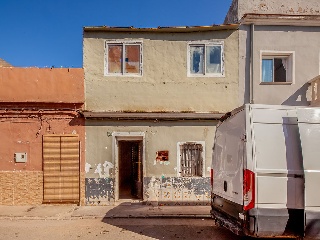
column 211, row 175
column 248, row 189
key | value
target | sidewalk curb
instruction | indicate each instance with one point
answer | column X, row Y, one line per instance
column 163, row 216
column 206, row 216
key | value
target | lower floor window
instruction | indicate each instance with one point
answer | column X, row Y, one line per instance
column 191, row 159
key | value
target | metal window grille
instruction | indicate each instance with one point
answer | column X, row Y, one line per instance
column 191, row 159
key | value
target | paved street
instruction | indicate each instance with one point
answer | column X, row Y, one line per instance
column 120, row 228
column 123, row 221
column 113, row 229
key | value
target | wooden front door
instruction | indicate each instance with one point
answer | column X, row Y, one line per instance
column 130, row 170
column 61, row 169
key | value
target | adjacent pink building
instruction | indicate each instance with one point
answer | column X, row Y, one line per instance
column 42, row 135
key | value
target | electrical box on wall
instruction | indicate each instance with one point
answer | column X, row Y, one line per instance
column 162, row 156
column 20, row 157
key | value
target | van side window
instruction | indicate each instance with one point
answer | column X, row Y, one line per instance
column 191, row 159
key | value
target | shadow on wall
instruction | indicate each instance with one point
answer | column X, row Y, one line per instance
column 77, row 121
column 295, row 182
column 300, row 97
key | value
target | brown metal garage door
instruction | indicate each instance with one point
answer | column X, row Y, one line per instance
column 61, row 168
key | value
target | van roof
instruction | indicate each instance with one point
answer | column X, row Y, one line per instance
column 254, row 106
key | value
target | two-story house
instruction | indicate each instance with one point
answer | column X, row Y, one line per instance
column 152, row 99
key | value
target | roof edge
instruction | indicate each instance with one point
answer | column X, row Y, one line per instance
column 280, row 19
column 161, row 29
column 153, row 115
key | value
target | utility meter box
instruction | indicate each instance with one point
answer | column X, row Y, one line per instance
column 20, row 157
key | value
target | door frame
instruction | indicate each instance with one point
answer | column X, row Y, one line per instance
column 125, row 136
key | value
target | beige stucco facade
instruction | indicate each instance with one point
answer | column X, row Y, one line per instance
column 163, row 87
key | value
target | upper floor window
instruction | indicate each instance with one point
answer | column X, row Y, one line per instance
column 206, row 59
column 123, row 58
column 277, row 67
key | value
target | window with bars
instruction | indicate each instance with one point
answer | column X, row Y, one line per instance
column 191, row 159
column 123, row 58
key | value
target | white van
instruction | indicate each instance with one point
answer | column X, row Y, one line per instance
column 309, row 128
column 257, row 172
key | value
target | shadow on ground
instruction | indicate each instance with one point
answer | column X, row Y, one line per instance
column 159, row 224
column 172, row 228
column 184, row 227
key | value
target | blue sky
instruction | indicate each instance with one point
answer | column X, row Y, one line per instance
column 47, row 33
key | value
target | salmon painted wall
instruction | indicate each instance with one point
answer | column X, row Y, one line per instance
column 35, row 102
column 63, row 85
column 23, row 134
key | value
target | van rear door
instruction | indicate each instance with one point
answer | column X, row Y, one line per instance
column 309, row 128
column 278, row 169
column 278, row 158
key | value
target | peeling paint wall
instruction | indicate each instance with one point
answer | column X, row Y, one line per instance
column 100, row 191
column 100, row 188
column 164, row 85
column 293, row 7
column 156, row 190
column 177, row 191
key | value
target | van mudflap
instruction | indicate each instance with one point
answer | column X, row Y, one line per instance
column 224, row 221
column 312, row 230
column 279, row 223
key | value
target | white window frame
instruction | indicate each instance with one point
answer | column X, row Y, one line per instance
column 123, row 43
column 202, row 155
column 290, row 55
column 206, row 44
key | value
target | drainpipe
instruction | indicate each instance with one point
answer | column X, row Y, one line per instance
column 251, row 62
